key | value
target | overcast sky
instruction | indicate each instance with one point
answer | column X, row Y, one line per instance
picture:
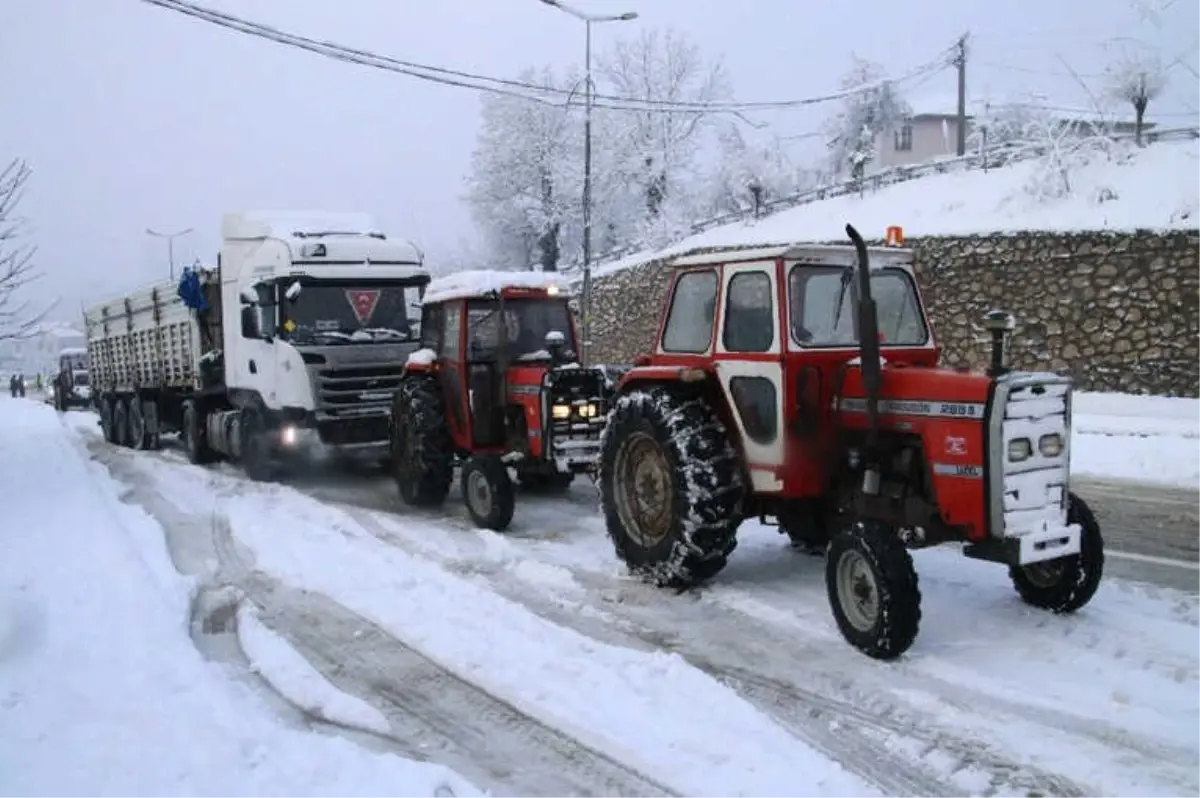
column 133, row 116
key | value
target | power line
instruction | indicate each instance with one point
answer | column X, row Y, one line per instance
column 508, row 87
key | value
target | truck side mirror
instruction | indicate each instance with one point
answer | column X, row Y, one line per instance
column 249, row 296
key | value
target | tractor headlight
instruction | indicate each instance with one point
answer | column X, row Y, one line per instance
column 1050, row 445
column 1019, row 449
column 560, row 412
column 587, row 411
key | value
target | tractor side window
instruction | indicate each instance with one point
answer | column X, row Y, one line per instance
column 756, row 401
column 689, row 325
column 451, row 337
column 749, row 313
column 431, row 328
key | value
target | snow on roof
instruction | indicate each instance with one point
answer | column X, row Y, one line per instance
column 286, row 224
column 72, row 350
column 1154, row 189
column 479, row 283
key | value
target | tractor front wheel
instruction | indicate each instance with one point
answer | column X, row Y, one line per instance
column 422, row 453
column 671, row 487
column 873, row 589
column 488, row 492
column 1065, row 584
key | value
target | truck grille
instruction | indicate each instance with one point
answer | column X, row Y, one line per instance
column 1028, row 487
column 352, row 390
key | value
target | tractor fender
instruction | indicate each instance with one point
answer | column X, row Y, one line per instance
column 643, row 376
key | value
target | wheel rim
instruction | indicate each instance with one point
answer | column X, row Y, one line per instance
column 1045, row 574
column 479, row 493
column 858, row 593
column 644, row 491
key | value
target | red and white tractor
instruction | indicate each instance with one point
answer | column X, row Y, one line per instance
column 801, row 384
column 496, row 385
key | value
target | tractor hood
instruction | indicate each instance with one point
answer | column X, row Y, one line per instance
column 920, row 391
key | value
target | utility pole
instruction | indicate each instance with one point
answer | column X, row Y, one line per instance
column 585, row 301
column 170, row 244
column 960, row 62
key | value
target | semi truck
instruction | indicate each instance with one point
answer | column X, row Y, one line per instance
column 70, row 386
column 291, row 346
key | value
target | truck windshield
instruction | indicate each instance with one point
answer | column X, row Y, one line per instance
column 824, row 301
column 330, row 312
column 80, row 379
column 526, row 321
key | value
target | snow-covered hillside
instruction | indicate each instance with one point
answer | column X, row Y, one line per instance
column 1152, row 188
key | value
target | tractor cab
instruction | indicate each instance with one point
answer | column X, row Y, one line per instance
column 800, row 384
column 499, row 357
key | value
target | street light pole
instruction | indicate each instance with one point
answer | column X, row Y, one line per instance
column 170, row 244
column 586, row 298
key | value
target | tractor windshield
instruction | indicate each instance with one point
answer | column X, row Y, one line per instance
column 824, row 303
column 525, row 323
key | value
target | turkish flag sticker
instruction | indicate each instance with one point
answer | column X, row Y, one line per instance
column 364, row 303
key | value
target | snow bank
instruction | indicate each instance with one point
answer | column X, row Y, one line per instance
column 1155, row 189
column 650, row 710
column 101, row 690
column 471, row 284
column 274, row 659
column 1140, row 438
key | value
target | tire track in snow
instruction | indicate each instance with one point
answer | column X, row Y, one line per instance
column 435, row 714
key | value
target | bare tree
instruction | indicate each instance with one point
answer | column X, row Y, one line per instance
column 17, row 319
column 1136, row 78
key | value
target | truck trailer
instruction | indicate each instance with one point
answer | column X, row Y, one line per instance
column 294, row 342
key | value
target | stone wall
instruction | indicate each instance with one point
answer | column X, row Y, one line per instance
column 1116, row 311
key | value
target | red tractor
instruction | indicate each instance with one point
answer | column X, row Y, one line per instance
column 496, row 385
column 801, row 385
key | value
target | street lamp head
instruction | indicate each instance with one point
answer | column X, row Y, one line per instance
column 628, row 15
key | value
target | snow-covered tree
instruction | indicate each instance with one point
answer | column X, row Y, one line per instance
column 18, row 319
column 1136, row 78
column 743, row 162
column 655, row 150
column 874, row 108
column 523, row 187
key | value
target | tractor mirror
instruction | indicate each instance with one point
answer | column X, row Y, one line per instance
column 293, row 291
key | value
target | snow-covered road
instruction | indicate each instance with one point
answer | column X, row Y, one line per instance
column 530, row 664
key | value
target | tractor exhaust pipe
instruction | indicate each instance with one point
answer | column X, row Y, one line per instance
column 868, row 342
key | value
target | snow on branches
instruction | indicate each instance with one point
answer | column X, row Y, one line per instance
column 17, row 319
column 1136, row 77
column 852, row 132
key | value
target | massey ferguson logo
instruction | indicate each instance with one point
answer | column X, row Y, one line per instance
column 364, row 303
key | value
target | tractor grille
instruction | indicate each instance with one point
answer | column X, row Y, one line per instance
column 1029, row 473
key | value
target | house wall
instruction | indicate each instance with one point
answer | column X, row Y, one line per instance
column 928, row 143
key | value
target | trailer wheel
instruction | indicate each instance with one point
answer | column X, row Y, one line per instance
column 873, row 589
column 670, row 487
column 121, row 422
column 488, row 492
column 139, row 432
column 422, row 451
column 106, row 411
column 195, row 435
column 1065, row 584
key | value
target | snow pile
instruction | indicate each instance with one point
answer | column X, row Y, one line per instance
column 1155, row 188
column 480, row 283
column 101, row 691
column 422, row 357
column 1141, row 438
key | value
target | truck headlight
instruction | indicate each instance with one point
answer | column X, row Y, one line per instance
column 1050, row 445
column 560, row 412
column 1019, row 449
column 288, row 436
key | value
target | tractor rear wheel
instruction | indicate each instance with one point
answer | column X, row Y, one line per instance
column 422, row 450
column 671, row 487
column 488, row 492
column 1065, row 584
column 873, row 589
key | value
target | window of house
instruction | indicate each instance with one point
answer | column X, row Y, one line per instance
column 749, row 313
column 693, row 308
column 902, row 138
